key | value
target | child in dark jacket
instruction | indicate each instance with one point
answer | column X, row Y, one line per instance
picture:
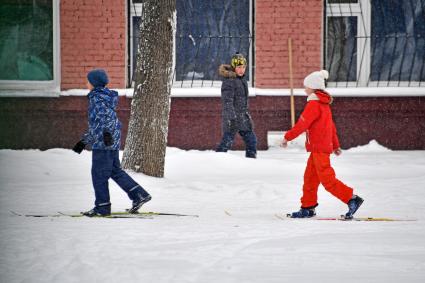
column 104, row 134
column 236, row 117
column 321, row 140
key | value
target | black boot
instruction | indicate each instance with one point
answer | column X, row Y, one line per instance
column 137, row 203
column 251, row 154
column 353, row 204
column 303, row 213
column 98, row 211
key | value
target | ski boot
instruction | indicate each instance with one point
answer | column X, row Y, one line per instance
column 303, row 213
column 137, row 204
column 353, row 204
column 251, row 154
column 98, row 211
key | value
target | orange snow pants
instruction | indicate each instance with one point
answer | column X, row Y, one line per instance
column 319, row 171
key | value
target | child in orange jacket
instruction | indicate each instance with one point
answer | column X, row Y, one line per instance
column 321, row 140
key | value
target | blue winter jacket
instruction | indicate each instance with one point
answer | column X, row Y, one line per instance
column 103, row 118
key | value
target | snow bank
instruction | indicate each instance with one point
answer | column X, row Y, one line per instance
column 372, row 146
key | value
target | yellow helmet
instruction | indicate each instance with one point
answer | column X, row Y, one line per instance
column 238, row 60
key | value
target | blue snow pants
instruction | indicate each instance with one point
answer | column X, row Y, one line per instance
column 248, row 137
column 105, row 165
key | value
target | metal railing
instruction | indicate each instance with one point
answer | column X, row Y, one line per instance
column 208, row 34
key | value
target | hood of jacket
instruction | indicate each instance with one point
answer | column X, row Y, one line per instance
column 226, row 71
column 108, row 97
column 321, row 96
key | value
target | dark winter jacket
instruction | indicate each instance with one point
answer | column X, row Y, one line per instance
column 234, row 97
column 102, row 118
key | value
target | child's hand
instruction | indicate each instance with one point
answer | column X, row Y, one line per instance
column 108, row 140
column 284, row 143
column 79, row 147
column 338, row 151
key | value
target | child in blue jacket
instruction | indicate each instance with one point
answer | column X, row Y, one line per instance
column 104, row 134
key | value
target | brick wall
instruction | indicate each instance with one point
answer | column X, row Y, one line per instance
column 276, row 21
column 195, row 123
column 93, row 35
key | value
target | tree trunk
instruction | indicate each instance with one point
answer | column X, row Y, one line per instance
column 148, row 127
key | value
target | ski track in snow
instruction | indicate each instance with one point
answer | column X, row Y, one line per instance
column 236, row 239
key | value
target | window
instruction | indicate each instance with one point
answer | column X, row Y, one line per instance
column 29, row 46
column 208, row 34
column 134, row 30
column 342, row 48
column 375, row 43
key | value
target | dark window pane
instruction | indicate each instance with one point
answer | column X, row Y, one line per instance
column 26, row 40
column 398, row 41
column 136, row 39
column 208, row 34
column 341, row 48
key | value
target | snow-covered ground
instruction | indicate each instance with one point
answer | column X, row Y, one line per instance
column 237, row 237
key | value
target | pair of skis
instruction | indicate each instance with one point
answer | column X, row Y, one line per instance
column 123, row 214
column 151, row 215
column 343, row 218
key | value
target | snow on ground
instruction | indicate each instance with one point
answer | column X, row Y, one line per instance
column 237, row 237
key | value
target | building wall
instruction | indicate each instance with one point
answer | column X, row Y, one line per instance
column 93, row 35
column 395, row 122
column 276, row 21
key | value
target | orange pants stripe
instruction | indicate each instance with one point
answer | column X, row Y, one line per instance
column 319, row 171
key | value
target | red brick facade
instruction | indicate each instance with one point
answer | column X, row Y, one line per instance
column 93, row 35
column 275, row 22
column 398, row 123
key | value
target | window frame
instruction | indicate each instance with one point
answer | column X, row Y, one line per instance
column 135, row 11
column 363, row 11
column 363, row 44
column 51, row 88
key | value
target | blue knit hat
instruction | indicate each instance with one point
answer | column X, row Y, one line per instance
column 98, row 78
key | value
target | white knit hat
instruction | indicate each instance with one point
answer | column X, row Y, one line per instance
column 316, row 80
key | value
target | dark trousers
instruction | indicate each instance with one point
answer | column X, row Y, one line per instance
column 248, row 137
column 105, row 165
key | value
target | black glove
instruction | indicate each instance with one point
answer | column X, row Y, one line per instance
column 108, row 139
column 79, row 147
column 232, row 125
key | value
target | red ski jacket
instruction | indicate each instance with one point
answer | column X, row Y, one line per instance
column 316, row 120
